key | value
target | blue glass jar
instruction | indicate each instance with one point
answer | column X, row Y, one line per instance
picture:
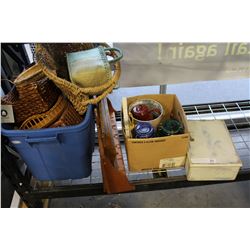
column 143, row 130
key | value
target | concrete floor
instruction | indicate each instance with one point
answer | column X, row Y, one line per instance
column 236, row 194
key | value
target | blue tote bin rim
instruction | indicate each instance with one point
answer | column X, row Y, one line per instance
column 81, row 126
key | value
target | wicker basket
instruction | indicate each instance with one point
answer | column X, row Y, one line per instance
column 79, row 97
column 45, row 119
column 30, row 98
column 68, row 118
column 29, row 75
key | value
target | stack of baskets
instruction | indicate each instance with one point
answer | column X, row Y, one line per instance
column 36, row 99
column 37, row 103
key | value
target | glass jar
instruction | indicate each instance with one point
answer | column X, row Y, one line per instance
column 143, row 130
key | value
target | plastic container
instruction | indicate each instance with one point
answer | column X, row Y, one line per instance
column 56, row 153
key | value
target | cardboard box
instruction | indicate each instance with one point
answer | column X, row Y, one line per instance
column 159, row 152
column 211, row 155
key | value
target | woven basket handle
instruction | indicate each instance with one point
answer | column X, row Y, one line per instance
column 100, row 97
column 116, row 59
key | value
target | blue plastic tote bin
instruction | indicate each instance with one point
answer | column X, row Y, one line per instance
column 56, row 153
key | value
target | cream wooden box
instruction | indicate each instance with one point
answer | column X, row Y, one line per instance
column 211, row 155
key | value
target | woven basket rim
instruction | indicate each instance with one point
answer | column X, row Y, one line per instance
column 28, row 73
column 48, row 117
column 63, row 119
